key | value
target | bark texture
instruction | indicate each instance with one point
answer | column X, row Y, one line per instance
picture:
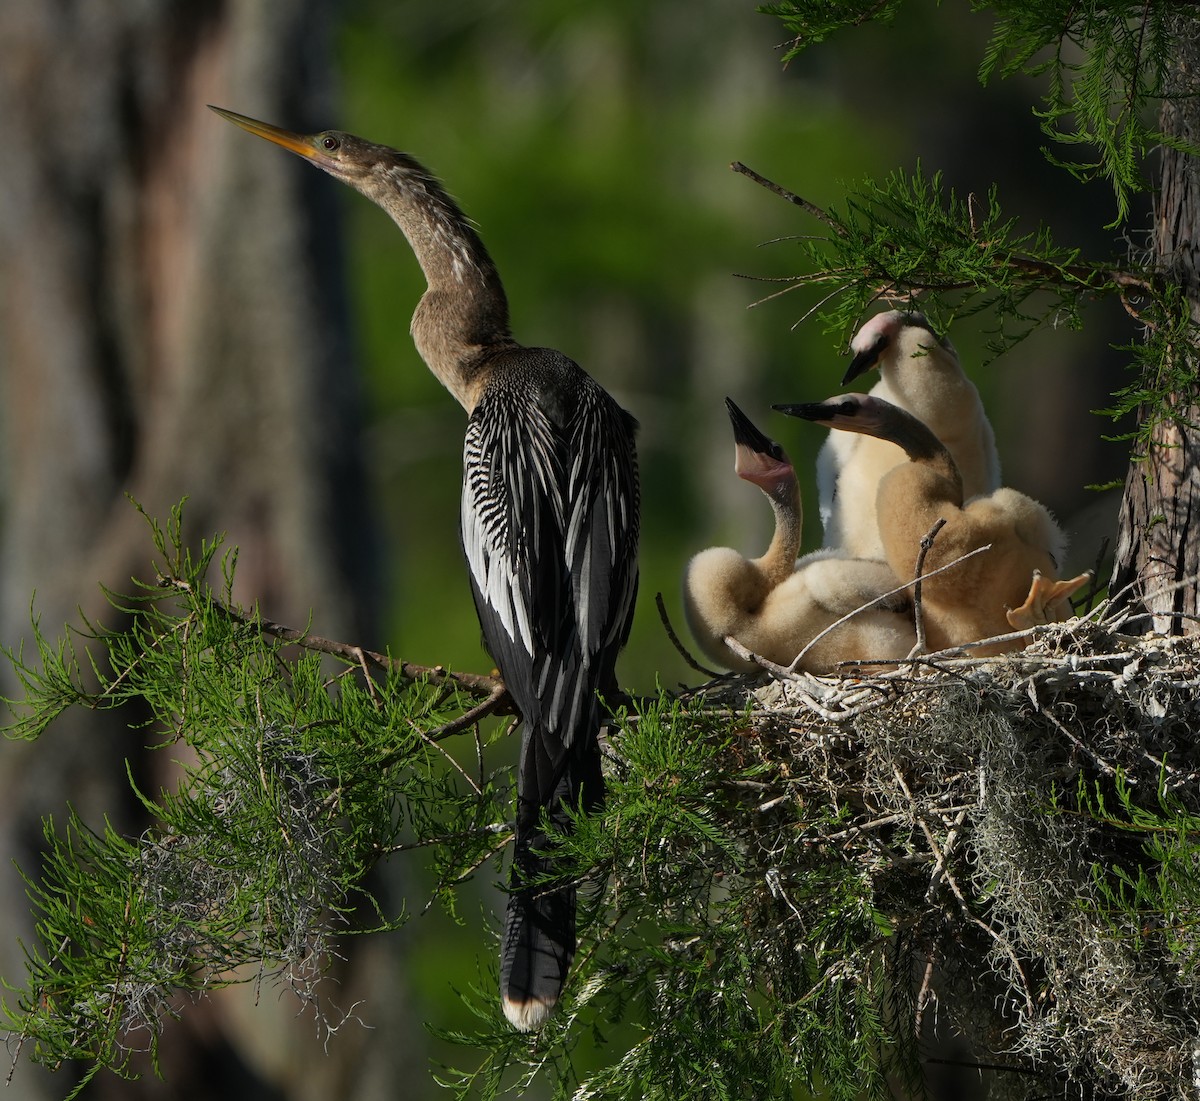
column 171, row 325
column 1158, row 544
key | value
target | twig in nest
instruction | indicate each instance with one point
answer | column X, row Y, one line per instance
column 940, row 857
column 742, row 652
column 918, row 608
column 1066, row 732
column 879, row 600
column 793, row 680
column 683, row 653
column 1121, row 609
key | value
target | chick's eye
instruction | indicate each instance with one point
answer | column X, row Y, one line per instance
column 330, row 143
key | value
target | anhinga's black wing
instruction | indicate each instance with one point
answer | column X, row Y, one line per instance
column 550, row 531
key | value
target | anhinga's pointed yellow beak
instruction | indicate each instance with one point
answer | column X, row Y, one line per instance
column 303, row 144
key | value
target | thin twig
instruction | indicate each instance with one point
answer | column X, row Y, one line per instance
column 918, row 607
column 505, row 828
column 816, row 305
column 683, row 652
column 882, row 597
column 1096, row 759
column 1093, row 589
column 450, row 759
column 790, row 196
column 468, row 871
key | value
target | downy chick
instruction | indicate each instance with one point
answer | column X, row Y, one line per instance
column 775, row 606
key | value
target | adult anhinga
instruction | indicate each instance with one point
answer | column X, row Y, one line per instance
column 549, row 530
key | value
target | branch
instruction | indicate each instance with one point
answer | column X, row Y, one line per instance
column 473, row 682
column 496, row 702
column 918, row 608
column 791, row 197
column 1095, row 278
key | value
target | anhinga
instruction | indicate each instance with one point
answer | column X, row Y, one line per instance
column 918, row 371
column 549, row 529
column 775, row 606
column 1014, row 584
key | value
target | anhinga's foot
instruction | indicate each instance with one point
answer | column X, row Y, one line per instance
column 1048, row 601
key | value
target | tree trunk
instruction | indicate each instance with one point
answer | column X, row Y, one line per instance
column 172, row 324
column 1157, row 558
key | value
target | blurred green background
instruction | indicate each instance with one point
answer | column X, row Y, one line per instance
column 591, row 145
column 169, row 320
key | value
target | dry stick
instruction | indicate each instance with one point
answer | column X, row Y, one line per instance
column 790, row 196
column 1121, row 615
column 918, row 608
column 683, row 653
column 852, row 832
column 939, row 869
column 1099, row 761
column 437, row 674
column 925, row 995
column 884, row 596
column 940, row 857
column 362, row 664
column 791, row 678
column 815, row 306
column 1093, row 589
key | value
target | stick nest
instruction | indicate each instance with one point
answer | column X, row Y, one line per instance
column 1028, row 827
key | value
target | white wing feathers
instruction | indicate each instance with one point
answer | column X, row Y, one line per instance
column 546, row 525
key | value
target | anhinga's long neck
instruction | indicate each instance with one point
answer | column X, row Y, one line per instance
column 780, row 560
column 924, row 449
column 464, row 312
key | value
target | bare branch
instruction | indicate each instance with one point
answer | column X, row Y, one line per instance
column 790, row 196
column 918, row 607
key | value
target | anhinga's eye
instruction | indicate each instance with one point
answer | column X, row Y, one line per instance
column 330, row 143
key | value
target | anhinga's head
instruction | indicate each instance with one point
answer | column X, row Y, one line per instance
column 872, row 416
column 351, row 159
column 849, row 412
column 897, row 334
column 757, row 459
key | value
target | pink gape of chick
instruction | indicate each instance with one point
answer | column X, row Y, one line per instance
column 775, row 606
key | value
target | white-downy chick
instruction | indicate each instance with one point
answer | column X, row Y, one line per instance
column 920, row 372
